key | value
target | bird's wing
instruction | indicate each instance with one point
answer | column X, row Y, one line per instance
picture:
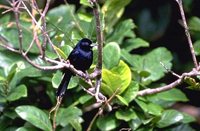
column 73, row 55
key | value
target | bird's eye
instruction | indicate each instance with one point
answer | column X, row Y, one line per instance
column 85, row 43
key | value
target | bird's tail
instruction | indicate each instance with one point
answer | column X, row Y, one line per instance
column 64, row 83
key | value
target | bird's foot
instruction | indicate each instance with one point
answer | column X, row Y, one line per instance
column 100, row 98
column 87, row 78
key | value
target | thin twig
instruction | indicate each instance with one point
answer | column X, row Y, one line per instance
column 34, row 31
column 159, row 89
column 43, row 31
column 169, row 86
column 5, row 44
column 168, row 70
column 99, row 34
column 187, row 33
column 44, row 44
column 16, row 12
column 194, row 72
column 75, row 19
column 101, row 109
column 55, row 110
column 31, row 45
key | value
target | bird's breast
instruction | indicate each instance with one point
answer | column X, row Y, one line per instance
column 83, row 60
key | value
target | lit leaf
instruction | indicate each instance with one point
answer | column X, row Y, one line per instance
column 66, row 115
column 85, row 2
column 35, row 116
column 122, row 100
column 56, row 79
column 131, row 92
column 117, row 77
column 126, row 115
column 17, row 92
column 170, row 117
column 135, row 43
column 113, row 10
column 107, row 123
column 111, row 55
column 60, row 52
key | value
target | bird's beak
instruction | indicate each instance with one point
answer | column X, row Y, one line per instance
column 93, row 45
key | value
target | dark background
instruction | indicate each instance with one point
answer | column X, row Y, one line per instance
column 172, row 36
column 168, row 32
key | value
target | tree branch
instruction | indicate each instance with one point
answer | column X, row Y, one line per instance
column 187, row 33
column 169, row 86
column 99, row 35
column 194, row 72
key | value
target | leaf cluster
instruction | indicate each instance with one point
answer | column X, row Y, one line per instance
column 27, row 94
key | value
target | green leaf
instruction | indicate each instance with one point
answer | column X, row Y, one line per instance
column 17, row 92
column 131, row 92
column 85, row 17
column 154, row 109
column 85, row 98
column 85, row 2
column 51, row 55
column 182, row 127
column 88, row 24
column 62, row 22
column 27, row 127
column 4, row 123
column 142, row 105
column 60, row 52
column 197, row 47
column 2, row 99
column 10, row 114
column 124, row 72
column 134, row 44
column 122, row 30
column 111, row 55
column 126, row 115
column 76, row 124
column 107, row 123
column 150, row 108
column 27, row 71
column 135, row 123
column 194, row 24
column 111, row 80
column 10, row 32
column 56, row 79
column 122, row 100
column 8, row 58
column 24, row 128
column 150, row 63
column 188, row 118
column 73, row 82
column 128, row 57
column 113, row 10
column 170, row 117
column 145, row 128
column 117, row 77
column 170, row 95
column 35, row 116
column 66, row 115
column 66, row 49
column 11, row 72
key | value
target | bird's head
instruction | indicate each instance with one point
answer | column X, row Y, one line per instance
column 85, row 44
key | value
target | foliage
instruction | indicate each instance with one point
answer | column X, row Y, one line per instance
column 27, row 94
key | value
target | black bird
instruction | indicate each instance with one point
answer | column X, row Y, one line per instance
column 81, row 58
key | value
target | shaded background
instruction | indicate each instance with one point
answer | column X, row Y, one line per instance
column 158, row 22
